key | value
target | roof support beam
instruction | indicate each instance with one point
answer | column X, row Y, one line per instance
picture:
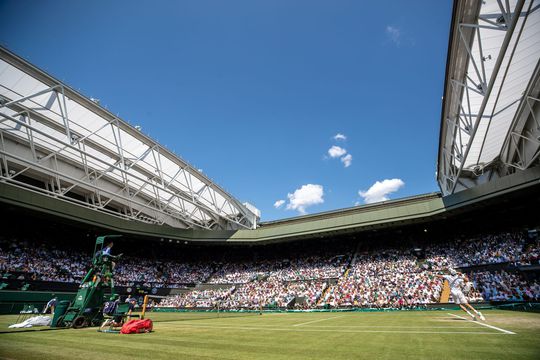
column 98, row 174
column 479, row 99
column 106, row 146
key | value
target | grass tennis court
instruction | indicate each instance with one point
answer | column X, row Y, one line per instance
column 328, row 335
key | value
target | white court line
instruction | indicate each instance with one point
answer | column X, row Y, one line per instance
column 251, row 328
column 486, row 325
column 315, row 321
column 387, row 326
column 347, row 327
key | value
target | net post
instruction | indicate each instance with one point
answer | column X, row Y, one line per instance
column 145, row 302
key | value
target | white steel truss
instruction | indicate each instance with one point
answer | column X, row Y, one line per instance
column 521, row 149
column 55, row 141
column 493, row 61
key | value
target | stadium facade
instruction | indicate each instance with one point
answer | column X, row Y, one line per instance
column 64, row 155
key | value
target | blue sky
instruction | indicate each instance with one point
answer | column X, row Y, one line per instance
column 255, row 92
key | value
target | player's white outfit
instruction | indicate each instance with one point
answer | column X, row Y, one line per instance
column 456, row 283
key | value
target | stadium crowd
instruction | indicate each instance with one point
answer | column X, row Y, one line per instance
column 272, row 292
column 487, row 249
column 239, row 272
column 131, row 270
column 31, row 261
column 390, row 278
column 383, row 276
column 197, row 298
column 312, row 267
column 505, row 286
column 41, row 262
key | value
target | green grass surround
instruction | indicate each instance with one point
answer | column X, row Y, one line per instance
column 392, row 335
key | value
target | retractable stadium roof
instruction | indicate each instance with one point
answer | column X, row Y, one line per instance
column 490, row 118
column 73, row 149
column 489, row 146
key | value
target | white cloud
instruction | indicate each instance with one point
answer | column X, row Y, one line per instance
column 304, row 197
column 336, row 151
column 379, row 191
column 347, row 160
column 279, row 203
column 393, row 34
column 340, row 136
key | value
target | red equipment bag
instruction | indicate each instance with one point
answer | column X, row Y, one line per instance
column 136, row 326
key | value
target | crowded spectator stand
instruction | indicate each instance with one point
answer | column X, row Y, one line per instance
column 345, row 277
